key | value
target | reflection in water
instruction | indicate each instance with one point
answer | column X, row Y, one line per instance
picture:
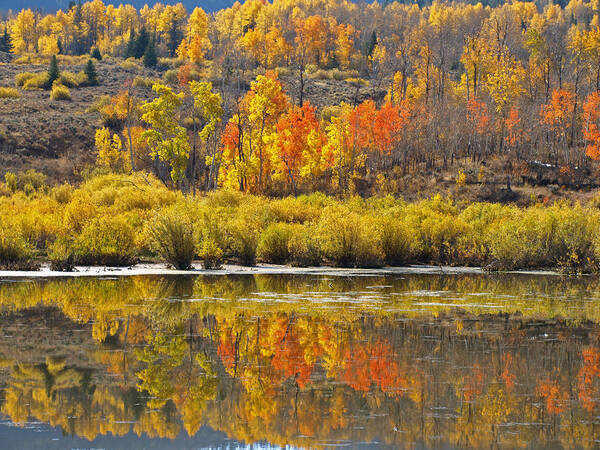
column 458, row 361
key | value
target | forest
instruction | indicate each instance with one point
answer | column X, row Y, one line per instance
column 441, row 84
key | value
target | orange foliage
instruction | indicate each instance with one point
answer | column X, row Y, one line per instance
column 591, row 122
column 556, row 401
column 588, row 377
column 559, row 110
column 477, row 113
column 374, row 365
column 473, row 385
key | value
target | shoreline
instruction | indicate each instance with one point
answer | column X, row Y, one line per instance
column 148, row 269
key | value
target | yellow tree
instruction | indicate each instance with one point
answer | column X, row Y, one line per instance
column 196, row 42
column 249, row 134
column 24, row 32
column 168, row 141
column 208, row 104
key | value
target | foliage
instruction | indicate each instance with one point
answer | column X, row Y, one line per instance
column 91, row 74
column 273, row 243
column 171, row 236
column 60, row 92
column 6, row 92
column 15, row 252
column 210, row 254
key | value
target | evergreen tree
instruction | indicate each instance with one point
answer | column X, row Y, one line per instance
column 60, row 47
column 53, row 72
column 174, row 37
column 141, row 43
column 150, row 59
column 370, row 44
column 96, row 54
column 5, row 41
column 130, row 49
column 90, row 73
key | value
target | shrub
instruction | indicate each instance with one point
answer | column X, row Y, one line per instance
column 210, row 254
column 60, row 92
column 61, row 254
column 15, row 252
column 37, row 82
column 303, row 247
column 273, row 243
column 243, row 236
column 348, row 239
column 29, row 182
column 6, row 92
column 395, row 238
column 108, row 241
column 171, row 236
column 23, row 77
column 144, row 82
column 171, row 76
column 70, row 80
column 130, row 65
column 62, row 193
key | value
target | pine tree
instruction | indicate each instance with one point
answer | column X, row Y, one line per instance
column 130, row 50
column 150, row 59
column 60, row 47
column 53, row 72
column 370, row 44
column 96, row 54
column 5, row 41
column 90, row 73
column 141, row 43
column 174, row 37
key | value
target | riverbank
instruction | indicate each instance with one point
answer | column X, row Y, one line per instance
column 264, row 269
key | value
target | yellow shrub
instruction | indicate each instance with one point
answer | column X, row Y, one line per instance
column 60, row 92
column 6, row 92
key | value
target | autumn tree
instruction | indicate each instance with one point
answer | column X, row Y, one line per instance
column 168, row 141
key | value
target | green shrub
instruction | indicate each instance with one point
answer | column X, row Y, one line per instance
column 6, row 92
column 107, row 241
column 210, row 254
column 15, row 252
column 273, row 243
column 303, row 247
column 171, row 76
column 171, row 236
column 60, row 92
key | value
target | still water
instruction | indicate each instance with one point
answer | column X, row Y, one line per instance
column 317, row 361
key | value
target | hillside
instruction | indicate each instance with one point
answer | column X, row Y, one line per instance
column 57, row 138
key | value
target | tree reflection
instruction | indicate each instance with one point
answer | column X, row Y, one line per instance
column 276, row 360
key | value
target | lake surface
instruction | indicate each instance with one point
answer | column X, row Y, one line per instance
column 396, row 361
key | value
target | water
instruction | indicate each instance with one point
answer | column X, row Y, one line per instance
column 411, row 361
